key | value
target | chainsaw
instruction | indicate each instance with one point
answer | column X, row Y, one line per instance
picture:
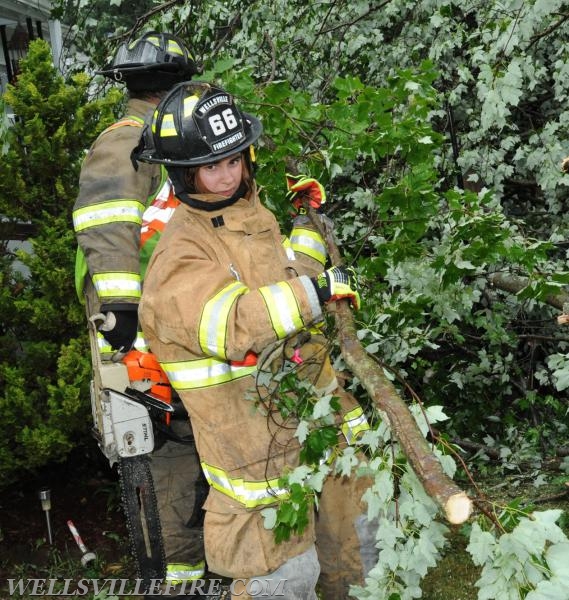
column 130, row 394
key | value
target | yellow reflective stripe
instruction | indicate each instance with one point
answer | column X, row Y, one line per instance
column 103, row 345
column 249, row 493
column 140, row 342
column 190, row 104
column 203, row 372
column 309, row 242
column 283, row 308
column 213, row 322
column 168, row 129
column 288, row 249
column 355, row 423
column 105, row 348
column 117, row 285
column 179, row 572
column 113, row 211
column 174, row 48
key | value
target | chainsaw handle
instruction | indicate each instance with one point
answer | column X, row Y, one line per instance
column 93, row 319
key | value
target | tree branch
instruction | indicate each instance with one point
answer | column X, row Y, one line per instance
column 546, row 32
column 356, row 20
column 146, row 16
column 456, row 505
column 514, row 284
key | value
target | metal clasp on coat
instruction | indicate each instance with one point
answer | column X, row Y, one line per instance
column 234, row 272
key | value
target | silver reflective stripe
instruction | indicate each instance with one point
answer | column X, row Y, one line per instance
column 178, row 572
column 116, row 285
column 313, row 300
column 249, row 493
column 355, row 423
column 168, row 127
column 310, row 243
column 290, row 253
column 116, row 211
column 288, row 249
column 140, row 343
column 104, row 346
column 215, row 314
column 283, row 309
column 203, row 372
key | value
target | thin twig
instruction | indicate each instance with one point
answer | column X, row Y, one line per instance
column 551, row 29
column 146, row 16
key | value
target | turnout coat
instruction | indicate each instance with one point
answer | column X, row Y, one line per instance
column 222, row 286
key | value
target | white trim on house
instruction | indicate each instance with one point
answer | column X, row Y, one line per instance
column 31, row 15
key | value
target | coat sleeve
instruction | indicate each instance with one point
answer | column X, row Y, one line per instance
column 108, row 212
column 196, row 303
column 307, row 244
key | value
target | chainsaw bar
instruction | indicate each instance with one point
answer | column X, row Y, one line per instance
column 142, row 519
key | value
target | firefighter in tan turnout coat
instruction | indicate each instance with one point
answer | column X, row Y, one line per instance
column 224, row 286
column 118, row 216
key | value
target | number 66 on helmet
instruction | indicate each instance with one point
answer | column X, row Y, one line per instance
column 196, row 124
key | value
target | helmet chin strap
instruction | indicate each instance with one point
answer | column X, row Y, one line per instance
column 177, row 176
column 211, row 206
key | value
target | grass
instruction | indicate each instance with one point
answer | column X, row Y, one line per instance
column 453, row 578
column 61, row 566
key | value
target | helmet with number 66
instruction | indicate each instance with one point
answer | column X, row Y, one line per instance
column 196, row 124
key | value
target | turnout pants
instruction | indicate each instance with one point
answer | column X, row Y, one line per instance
column 336, row 550
column 179, row 484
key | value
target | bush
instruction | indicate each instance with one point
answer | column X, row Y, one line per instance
column 44, row 351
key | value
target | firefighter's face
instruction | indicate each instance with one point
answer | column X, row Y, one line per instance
column 222, row 178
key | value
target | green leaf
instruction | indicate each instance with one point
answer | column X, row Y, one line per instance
column 269, row 517
column 481, row 545
column 322, row 407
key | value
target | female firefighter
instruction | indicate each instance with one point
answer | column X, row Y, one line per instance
column 223, row 289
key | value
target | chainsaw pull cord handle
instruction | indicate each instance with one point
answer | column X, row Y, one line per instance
column 94, row 319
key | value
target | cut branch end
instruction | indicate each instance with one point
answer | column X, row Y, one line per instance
column 458, row 508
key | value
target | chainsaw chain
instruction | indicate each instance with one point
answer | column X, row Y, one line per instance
column 142, row 517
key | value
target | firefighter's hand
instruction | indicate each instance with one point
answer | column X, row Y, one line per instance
column 301, row 189
column 335, row 284
column 120, row 326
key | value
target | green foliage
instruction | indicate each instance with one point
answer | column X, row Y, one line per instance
column 95, row 26
column 44, row 361
column 528, row 561
column 438, row 128
column 423, row 251
column 318, row 432
column 291, row 516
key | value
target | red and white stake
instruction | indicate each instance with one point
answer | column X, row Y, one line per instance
column 87, row 556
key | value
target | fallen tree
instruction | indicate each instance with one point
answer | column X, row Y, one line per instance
column 456, row 504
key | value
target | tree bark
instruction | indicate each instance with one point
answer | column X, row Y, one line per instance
column 456, row 505
column 514, row 284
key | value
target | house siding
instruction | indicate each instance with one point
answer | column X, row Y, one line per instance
column 25, row 19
